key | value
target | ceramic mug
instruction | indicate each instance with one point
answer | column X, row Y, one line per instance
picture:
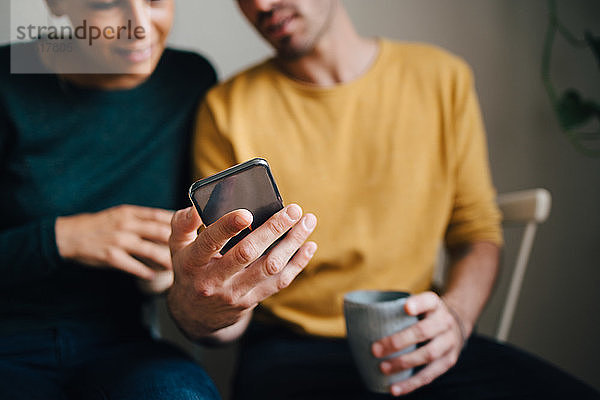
column 372, row 315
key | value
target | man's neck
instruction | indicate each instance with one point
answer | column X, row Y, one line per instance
column 340, row 56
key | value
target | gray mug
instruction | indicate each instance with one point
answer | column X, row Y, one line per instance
column 372, row 315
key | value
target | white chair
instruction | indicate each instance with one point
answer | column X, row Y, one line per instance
column 527, row 209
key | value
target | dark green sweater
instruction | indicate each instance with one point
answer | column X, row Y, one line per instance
column 65, row 150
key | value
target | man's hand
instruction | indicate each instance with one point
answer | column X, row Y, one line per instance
column 214, row 293
column 441, row 329
column 133, row 239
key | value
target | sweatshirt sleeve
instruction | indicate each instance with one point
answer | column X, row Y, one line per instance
column 475, row 215
column 29, row 251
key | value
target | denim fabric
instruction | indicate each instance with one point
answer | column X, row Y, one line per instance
column 277, row 364
column 89, row 363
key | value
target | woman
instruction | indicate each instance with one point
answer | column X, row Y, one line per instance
column 93, row 155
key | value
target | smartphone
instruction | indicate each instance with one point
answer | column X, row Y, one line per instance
column 249, row 185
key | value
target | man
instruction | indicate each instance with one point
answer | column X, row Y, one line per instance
column 90, row 169
column 384, row 143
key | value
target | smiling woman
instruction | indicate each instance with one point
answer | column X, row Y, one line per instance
column 122, row 38
column 91, row 164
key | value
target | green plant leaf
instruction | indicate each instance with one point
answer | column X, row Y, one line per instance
column 594, row 43
column 573, row 111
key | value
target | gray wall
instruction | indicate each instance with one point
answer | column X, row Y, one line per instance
column 558, row 315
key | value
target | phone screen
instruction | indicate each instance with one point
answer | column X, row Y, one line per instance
column 249, row 185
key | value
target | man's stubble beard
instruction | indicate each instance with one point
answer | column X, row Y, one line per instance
column 286, row 52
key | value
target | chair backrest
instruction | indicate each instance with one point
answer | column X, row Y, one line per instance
column 526, row 208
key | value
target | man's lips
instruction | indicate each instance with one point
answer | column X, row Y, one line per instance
column 276, row 28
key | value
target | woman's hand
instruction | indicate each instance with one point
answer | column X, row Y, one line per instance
column 129, row 238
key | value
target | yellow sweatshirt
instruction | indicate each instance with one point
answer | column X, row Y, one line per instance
column 393, row 164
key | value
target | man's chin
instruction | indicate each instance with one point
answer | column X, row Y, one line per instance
column 291, row 54
column 288, row 51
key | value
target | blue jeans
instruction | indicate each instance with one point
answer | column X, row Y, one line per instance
column 90, row 363
column 277, row 364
